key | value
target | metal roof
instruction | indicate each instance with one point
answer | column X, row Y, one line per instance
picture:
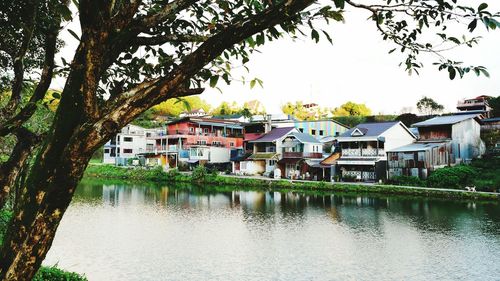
column 274, row 134
column 417, row 146
column 496, row 119
column 445, row 120
column 370, row 129
column 305, row 138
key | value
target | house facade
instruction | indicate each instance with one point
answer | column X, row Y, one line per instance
column 316, row 128
column 419, row 159
column 129, row 143
column 363, row 149
column 193, row 141
column 462, row 131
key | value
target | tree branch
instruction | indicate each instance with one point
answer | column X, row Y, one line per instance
column 18, row 64
column 9, row 170
column 173, row 38
column 43, row 85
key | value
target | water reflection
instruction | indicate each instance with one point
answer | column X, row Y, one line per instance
column 184, row 232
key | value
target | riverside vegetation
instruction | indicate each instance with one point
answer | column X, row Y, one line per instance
column 201, row 175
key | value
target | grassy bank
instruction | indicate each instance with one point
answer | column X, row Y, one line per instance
column 202, row 176
column 45, row 273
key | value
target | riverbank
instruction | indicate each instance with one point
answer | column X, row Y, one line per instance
column 201, row 176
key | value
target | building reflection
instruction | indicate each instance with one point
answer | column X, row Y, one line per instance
column 359, row 213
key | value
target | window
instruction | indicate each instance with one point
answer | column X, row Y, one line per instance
column 301, row 130
column 272, row 162
column 148, row 135
column 321, row 132
column 313, row 132
column 191, row 129
column 337, row 134
column 106, row 150
column 216, row 143
column 128, row 139
column 231, row 144
column 149, row 147
column 127, row 150
column 205, row 130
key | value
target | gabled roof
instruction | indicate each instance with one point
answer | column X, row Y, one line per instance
column 274, row 134
column 445, row 120
column 305, row 138
column 369, row 129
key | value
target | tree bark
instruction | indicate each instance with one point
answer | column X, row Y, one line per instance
column 9, row 171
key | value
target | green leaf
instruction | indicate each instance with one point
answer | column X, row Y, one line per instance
column 73, row 34
column 213, row 81
column 339, row 4
column 482, row 7
column 315, row 35
column 252, row 83
column 472, row 25
column 452, row 72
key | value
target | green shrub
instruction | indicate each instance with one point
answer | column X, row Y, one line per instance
column 56, row 274
column 172, row 174
column 200, row 174
column 407, row 180
column 452, row 177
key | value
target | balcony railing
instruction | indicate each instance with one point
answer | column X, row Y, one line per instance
column 363, row 152
column 208, row 134
column 360, row 175
column 302, row 155
column 467, row 103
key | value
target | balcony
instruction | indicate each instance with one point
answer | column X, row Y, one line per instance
column 208, row 134
column 470, row 104
column 363, row 152
column 360, row 175
column 302, row 155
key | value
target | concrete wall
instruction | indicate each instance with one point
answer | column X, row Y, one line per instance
column 220, row 154
column 397, row 136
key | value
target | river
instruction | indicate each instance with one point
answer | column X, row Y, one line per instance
column 118, row 231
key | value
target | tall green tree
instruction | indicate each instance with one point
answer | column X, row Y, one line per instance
column 133, row 55
column 428, row 106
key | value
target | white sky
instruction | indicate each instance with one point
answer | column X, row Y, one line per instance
column 357, row 67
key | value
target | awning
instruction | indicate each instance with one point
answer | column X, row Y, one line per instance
column 193, row 161
column 316, row 164
column 331, row 160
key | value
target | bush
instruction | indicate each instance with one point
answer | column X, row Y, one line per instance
column 56, row 274
column 172, row 174
column 452, row 177
column 407, row 180
column 200, row 174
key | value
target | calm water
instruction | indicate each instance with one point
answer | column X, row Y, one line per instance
column 131, row 232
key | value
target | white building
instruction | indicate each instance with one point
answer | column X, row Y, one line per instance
column 131, row 140
column 364, row 149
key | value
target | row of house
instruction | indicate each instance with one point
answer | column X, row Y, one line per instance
column 280, row 146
